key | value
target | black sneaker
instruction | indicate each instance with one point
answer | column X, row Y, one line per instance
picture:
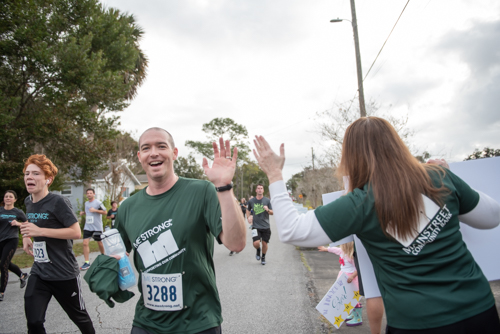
column 231, row 253
column 263, row 262
column 23, row 279
column 1, row 297
column 257, row 256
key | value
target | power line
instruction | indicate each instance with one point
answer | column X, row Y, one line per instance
column 373, row 63
column 386, row 40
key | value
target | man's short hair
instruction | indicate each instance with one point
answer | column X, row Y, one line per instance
column 170, row 138
column 90, row 189
column 113, row 202
column 259, row 184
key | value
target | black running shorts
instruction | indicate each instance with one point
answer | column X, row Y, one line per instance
column 261, row 233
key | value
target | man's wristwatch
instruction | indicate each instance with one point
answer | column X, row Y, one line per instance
column 224, row 188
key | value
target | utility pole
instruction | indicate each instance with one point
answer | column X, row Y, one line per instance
column 312, row 155
column 241, row 183
column 362, row 109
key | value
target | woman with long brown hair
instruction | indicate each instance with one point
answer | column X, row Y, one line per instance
column 407, row 217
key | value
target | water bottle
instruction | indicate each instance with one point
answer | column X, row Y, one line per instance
column 114, row 246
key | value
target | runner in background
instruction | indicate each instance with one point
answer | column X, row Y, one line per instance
column 260, row 208
column 94, row 209
column 112, row 213
column 10, row 218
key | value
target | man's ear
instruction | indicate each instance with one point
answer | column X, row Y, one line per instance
column 176, row 153
column 139, row 156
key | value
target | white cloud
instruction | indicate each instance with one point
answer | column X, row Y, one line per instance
column 271, row 65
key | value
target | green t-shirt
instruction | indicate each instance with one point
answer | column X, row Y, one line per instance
column 432, row 282
column 173, row 233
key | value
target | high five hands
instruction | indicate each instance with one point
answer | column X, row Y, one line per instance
column 222, row 171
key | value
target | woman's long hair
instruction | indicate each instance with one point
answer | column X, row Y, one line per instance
column 374, row 154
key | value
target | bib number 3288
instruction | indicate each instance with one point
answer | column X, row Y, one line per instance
column 162, row 292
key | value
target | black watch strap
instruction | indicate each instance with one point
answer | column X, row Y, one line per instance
column 224, row 188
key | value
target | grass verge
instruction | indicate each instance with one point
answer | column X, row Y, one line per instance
column 24, row 260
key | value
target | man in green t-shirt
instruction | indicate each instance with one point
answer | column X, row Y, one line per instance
column 171, row 225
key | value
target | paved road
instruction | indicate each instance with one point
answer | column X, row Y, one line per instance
column 279, row 297
column 255, row 298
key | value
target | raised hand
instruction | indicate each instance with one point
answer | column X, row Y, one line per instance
column 222, row 171
column 269, row 162
column 440, row 162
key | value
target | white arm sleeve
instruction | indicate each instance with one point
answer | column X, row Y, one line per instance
column 486, row 214
column 294, row 228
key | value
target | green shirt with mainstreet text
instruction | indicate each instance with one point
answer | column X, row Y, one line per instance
column 429, row 282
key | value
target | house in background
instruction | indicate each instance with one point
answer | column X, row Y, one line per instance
column 118, row 182
column 143, row 179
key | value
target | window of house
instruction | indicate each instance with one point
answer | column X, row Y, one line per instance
column 66, row 190
column 125, row 192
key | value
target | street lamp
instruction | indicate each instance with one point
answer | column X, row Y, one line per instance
column 354, row 24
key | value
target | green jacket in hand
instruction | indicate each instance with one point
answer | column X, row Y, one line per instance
column 102, row 278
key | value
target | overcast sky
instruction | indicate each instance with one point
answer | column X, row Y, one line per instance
column 272, row 65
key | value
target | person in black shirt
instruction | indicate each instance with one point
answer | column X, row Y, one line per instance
column 53, row 225
column 9, row 237
column 243, row 206
column 112, row 213
column 259, row 208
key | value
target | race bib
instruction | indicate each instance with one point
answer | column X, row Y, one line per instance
column 162, row 292
column 255, row 233
column 89, row 220
column 40, row 251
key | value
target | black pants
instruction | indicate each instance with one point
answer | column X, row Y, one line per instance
column 484, row 323
column 7, row 249
column 215, row 330
column 67, row 293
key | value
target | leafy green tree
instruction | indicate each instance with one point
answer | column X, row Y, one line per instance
column 484, row 153
column 222, row 127
column 125, row 148
column 65, row 65
column 188, row 167
column 238, row 136
column 294, row 181
column 246, row 180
